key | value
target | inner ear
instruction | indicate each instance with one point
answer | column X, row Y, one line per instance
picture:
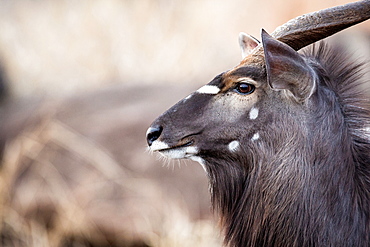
column 287, row 69
column 247, row 44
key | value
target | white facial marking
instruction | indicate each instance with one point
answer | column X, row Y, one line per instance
column 255, row 137
column 158, row 145
column 191, row 150
column 233, row 146
column 253, row 114
column 174, row 154
column 200, row 161
column 180, row 153
column 209, row 89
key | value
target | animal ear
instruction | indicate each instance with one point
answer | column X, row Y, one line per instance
column 247, row 43
column 286, row 69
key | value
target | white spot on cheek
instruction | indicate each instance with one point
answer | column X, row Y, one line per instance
column 255, row 137
column 233, row 146
column 253, row 114
column 158, row 145
column 209, row 89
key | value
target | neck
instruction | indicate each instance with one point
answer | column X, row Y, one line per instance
column 301, row 196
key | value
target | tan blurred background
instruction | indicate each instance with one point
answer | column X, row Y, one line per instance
column 81, row 81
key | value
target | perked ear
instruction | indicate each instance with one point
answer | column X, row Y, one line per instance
column 286, row 69
column 247, row 44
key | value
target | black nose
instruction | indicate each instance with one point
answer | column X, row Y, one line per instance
column 153, row 134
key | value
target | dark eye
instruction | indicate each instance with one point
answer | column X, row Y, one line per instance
column 245, row 88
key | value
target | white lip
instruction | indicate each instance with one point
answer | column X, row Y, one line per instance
column 184, row 152
column 175, row 152
column 180, row 153
column 158, row 145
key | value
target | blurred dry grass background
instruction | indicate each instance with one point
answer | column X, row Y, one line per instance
column 81, row 82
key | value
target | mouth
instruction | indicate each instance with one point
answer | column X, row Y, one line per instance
column 185, row 150
column 179, row 151
column 187, row 144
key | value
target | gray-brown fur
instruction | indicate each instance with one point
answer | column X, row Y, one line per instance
column 305, row 181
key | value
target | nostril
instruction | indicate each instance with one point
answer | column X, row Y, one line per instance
column 153, row 134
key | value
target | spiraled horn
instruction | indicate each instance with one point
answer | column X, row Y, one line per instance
column 309, row 28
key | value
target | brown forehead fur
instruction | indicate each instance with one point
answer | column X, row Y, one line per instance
column 256, row 59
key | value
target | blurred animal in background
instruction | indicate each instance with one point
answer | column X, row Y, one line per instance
column 283, row 137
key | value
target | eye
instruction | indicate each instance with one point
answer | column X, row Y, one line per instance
column 245, row 88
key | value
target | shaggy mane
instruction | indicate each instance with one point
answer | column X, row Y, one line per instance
column 341, row 75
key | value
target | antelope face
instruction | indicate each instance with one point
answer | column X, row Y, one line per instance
column 213, row 119
column 232, row 112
